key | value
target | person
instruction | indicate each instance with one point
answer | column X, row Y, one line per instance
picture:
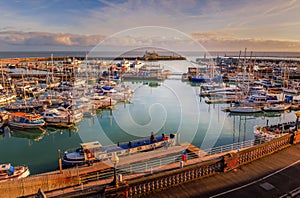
column 183, row 156
column 164, row 137
column 152, row 137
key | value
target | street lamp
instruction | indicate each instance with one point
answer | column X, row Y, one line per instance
column 115, row 160
column 59, row 161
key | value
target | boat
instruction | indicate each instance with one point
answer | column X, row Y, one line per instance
column 25, row 120
column 203, row 79
column 4, row 115
column 265, row 133
column 291, row 90
column 61, row 115
column 79, row 82
column 124, row 64
column 5, row 98
column 93, row 151
column 261, row 99
column 89, row 114
column 241, row 77
column 9, row 172
column 275, row 131
column 211, row 86
column 24, row 105
column 214, row 92
column 277, row 107
column 245, row 109
column 102, row 101
column 137, row 64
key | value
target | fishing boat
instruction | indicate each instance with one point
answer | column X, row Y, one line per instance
column 93, row 151
column 245, row 109
column 9, row 172
column 25, row 120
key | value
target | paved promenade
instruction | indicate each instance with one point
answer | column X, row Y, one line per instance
column 273, row 176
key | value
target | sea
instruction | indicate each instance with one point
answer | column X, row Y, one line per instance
column 169, row 106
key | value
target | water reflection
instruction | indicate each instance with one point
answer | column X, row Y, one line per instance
column 31, row 134
column 35, row 134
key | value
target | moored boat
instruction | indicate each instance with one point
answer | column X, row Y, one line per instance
column 245, row 109
column 93, row 151
column 25, row 120
column 61, row 115
column 4, row 115
column 9, row 172
column 277, row 107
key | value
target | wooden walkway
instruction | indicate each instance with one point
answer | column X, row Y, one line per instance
column 131, row 159
column 156, row 154
column 274, row 186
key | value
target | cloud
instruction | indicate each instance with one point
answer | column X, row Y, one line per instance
column 22, row 39
column 165, row 38
column 103, row 17
column 222, row 41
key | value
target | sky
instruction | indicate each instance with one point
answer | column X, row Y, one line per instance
column 214, row 25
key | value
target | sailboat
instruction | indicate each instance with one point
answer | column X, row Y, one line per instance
column 245, row 109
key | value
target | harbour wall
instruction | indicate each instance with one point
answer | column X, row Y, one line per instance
column 230, row 161
column 139, row 186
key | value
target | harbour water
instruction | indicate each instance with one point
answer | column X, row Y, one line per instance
column 169, row 106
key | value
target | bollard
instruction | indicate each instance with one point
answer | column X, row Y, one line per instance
column 178, row 139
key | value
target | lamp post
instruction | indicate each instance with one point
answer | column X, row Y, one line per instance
column 59, row 161
column 297, row 120
column 115, row 160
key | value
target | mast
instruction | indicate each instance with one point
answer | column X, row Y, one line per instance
column 239, row 59
column 2, row 74
column 244, row 64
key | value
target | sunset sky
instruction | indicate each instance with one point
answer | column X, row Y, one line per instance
column 218, row 25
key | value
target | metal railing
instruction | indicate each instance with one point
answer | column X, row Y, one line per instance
column 148, row 166
column 235, row 146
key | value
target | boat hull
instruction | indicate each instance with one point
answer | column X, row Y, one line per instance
column 21, row 172
column 245, row 110
column 277, row 108
column 122, row 149
column 25, row 125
